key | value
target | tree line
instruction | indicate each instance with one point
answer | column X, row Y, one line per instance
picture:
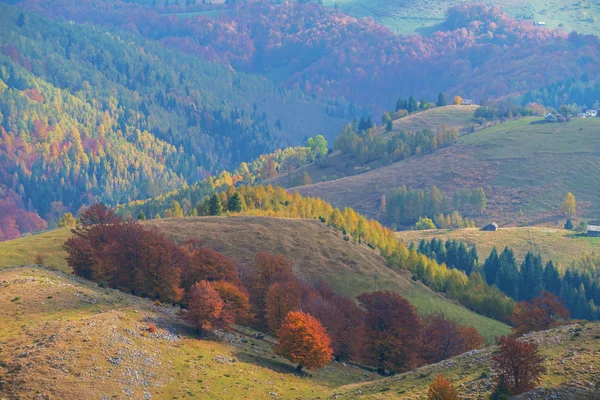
column 578, row 287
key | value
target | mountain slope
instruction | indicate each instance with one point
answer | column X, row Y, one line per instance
column 94, row 114
column 318, row 252
column 519, row 165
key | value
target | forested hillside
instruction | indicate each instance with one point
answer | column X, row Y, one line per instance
column 91, row 115
column 478, row 51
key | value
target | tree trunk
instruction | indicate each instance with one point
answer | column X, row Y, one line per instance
column 299, row 368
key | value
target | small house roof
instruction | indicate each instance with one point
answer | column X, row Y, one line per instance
column 593, row 228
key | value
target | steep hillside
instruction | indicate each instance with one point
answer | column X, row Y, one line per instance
column 89, row 114
column 570, row 354
column 318, row 252
column 65, row 338
column 520, row 166
column 559, row 245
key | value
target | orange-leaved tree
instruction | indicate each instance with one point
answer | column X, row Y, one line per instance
column 235, row 300
column 393, row 331
column 303, row 340
column 282, row 297
column 517, row 364
column 538, row 314
column 206, row 310
column 441, row 389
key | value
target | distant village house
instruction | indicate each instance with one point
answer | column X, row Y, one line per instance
column 588, row 114
column 593, row 230
column 491, row 227
column 467, row 102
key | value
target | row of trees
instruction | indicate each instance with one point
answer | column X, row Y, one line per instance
column 366, row 146
column 382, row 330
column 404, row 206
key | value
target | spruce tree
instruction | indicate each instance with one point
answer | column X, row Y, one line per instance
column 412, row 105
column 215, row 206
column 235, row 203
column 508, row 274
column 441, row 101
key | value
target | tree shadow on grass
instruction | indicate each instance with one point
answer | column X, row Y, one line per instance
column 273, row 363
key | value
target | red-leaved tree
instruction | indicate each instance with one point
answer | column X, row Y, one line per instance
column 393, row 331
column 206, row 310
column 441, row 389
column 209, row 265
column 542, row 312
column 303, row 341
column 444, row 338
column 282, row 297
column 517, row 364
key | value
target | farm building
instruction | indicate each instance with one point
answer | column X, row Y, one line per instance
column 491, row 227
column 551, row 117
column 593, row 230
column 467, row 102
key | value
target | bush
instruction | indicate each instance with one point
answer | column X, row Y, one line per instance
column 152, row 328
column 569, row 224
column 39, row 259
column 442, row 389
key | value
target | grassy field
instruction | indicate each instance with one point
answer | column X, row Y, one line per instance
column 423, row 16
column 558, row 245
column 23, row 251
column 65, row 338
column 520, row 166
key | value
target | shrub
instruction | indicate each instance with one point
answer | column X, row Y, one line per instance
column 442, row 389
column 152, row 328
column 39, row 259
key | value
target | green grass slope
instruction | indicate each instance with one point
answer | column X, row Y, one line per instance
column 559, row 245
column 519, row 165
column 338, row 165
